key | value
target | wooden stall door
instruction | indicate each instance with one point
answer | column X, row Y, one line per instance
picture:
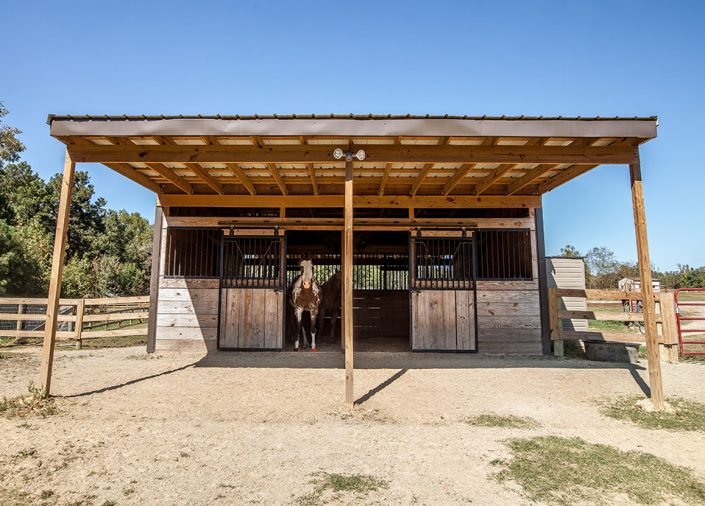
column 252, row 293
column 443, row 320
column 443, row 312
column 251, row 318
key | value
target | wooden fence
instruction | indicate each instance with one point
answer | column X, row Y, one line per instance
column 665, row 319
column 78, row 319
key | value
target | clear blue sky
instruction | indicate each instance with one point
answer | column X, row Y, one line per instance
column 564, row 57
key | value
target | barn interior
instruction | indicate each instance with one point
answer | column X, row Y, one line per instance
column 380, row 288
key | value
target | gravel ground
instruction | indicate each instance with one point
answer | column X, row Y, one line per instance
column 257, row 428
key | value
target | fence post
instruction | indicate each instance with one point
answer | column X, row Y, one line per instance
column 554, row 322
column 20, row 310
column 668, row 326
column 80, row 310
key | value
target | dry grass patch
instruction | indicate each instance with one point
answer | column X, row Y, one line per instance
column 686, row 415
column 569, row 470
column 502, row 421
column 32, row 404
column 330, row 486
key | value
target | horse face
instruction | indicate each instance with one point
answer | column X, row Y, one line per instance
column 306, row 273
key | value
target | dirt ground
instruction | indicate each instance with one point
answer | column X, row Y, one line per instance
column 257, row 428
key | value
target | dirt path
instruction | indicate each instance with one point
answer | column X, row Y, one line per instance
column 243, row 428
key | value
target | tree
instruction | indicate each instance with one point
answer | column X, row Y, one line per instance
column 20, row 269
column 570, row 251
column 10, row 145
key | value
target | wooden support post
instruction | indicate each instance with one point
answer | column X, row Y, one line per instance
column 554, row 322
column 80, row 311
column 154, row 280
column 57, row 269
column 347, row 285
column 647, row 289
column 670, row 330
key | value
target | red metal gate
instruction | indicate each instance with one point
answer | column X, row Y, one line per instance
column 682, row 343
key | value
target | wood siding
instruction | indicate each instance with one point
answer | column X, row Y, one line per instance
column 251, row 318
column 443, row 320
column 568, row 273
column 509, row 317
column 187, row 314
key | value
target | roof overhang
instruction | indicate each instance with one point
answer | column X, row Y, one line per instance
column 412, row 156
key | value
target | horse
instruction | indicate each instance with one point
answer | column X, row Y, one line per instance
column 330, row 303
column 305, row 295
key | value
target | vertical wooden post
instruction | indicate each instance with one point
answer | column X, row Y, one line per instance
column 57, row 270
column 154, row 280
column 543, row 283
column 670, row 331
column 80, row 311
column 647, row 289
column 20, row 310
column 348, row 285
column 554, row 322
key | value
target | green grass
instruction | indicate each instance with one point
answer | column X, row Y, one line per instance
column 31, row 404
column 329, row 485
column 502, row 421
column 569, row 470
column 687, row 415
column 609, row 326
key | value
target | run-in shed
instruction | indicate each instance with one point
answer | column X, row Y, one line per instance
column 435, row 223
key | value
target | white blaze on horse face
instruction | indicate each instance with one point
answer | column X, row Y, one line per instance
column 306, row 273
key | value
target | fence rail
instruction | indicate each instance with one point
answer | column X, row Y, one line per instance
column 78, row 319
column 665, row 318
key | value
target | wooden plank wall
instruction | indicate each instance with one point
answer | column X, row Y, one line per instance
column 251, row 318
column 443, row 320
column 187, row 314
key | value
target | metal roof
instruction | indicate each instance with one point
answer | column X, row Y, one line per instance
column 142, row 117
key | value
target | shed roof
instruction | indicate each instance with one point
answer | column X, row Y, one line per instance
column 407, row 155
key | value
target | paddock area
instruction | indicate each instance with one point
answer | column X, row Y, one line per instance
column 137, row 430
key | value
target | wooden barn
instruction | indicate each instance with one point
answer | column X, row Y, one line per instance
column 434, row 223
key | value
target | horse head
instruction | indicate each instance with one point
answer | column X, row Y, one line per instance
column 306, row 273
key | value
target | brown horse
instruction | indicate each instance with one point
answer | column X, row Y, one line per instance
column 305, row 295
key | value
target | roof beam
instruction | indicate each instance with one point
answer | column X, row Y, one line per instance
column 207, row 178
column 277, row 177
column 420, row 178
column 132, row 173
column 457, row 177
column 492, row 178
column 385, row 178
column 244, row 180
column 312, row 175
column 375, row 153
column 564, row 177
column 167, row 173
column 365, row 201
column 530, row 176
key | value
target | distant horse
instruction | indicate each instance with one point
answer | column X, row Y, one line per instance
column 305, row 295
column 330, row 304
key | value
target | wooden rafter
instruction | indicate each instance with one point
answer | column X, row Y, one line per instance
column 420, row 178
column 207, row 178
column 387, row 170
column 528, row 178
column 169, row 175
column 426, row 170
column 277, row 177
column 492, row 178
column 457, row 177
column 565, row 176
column 375, row 153
column 244, row 180
column 385, row 178
column 312, row 175
column 132, row 173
